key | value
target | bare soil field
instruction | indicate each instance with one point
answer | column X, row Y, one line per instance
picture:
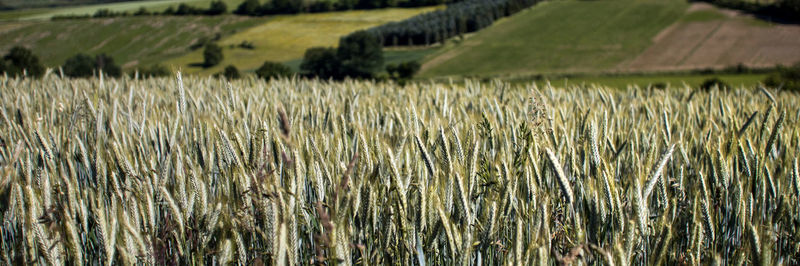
column 735, row 38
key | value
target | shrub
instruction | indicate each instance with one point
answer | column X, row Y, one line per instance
column 212, row 55
column 708, row 84
column 83, row 65
column 787, row 78
column 231, row 72
column 19, row 60
column 106, row 64
column 248, row 8
column 78, row 66
column 142, row 12
column 405, row 70
column 156, row 70
column 273, row 70
column 247, row 45
column 217, row 8
column 321, row 62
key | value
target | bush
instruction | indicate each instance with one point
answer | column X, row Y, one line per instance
column 184, row 9
column 708, row 84
column 106, row 64
column 142, row 12
column 156, row 70
column 217, row 8
column 212, row 55
column 78, row 66
column 231, row 72
column 83, row 65
column 19, row 60
column 405, row 70
column 248, row 8
column 247, row 45
column 273, row 70
column 321, row 62
column 361, row 54
column 787, row 78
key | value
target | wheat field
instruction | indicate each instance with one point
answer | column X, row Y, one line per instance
column 199, row 171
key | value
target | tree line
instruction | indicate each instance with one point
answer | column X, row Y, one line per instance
column 256, row 8
column 358, row 56
column 215, row 8
column 457, row 19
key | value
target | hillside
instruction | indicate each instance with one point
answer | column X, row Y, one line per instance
column 42, row 3
column 559, row 36
column 285, row 38
column 131, row 41
column 708, row 37
column 617, row 36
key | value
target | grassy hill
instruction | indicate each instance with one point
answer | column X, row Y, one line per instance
column 43, row 3
column 285, row 38
column 131, row 41
column 559, row 36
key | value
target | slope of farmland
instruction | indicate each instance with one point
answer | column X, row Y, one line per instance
column 713, row 38
column 129, row 6
column 559, row 36
column 286, row 38
column 131, row 41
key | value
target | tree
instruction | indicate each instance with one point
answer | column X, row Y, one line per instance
column 184, row 9
column 285, row 6
column 83, row 65
column 212, row 55
column 405, row 70
column 361, row 54
column 248, row 8
column 217, row 8
column 273, row 70
column 19, row 60
column 169, row 11
column 321, row 62
column 787, row 78
column 79, row 65
column 156, row 70
column 141, row 12
column 106, row 64
column 710, row 83
column 231, row 72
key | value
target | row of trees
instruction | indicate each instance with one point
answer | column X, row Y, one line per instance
column 256, row 8
column 83, row 65
column 20, row 61
column 359, row 55
column 438, row 26
column 215, row 8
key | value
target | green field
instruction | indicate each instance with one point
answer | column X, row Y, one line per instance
column 559, row 36
column 285, row 38
column 131, row 41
